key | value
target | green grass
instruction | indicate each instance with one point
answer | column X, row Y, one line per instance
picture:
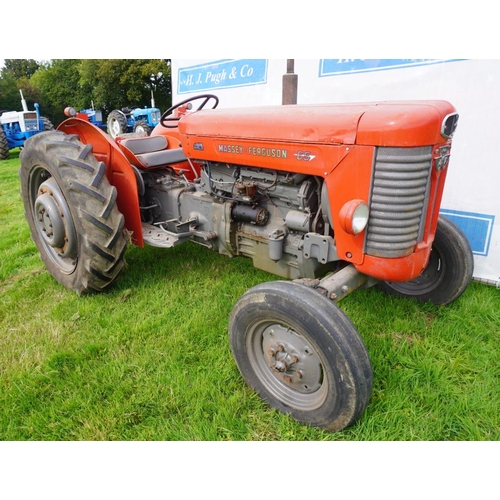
column 150, row 359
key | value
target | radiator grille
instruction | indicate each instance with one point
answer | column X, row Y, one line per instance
column 400, row 192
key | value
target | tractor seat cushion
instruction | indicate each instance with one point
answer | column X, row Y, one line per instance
column 151, row 151
column 165, row 157
column 141, row 145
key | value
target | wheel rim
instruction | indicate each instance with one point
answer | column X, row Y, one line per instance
column 53, row 221
column 115, row 127
column 287, row 365
column 430, row 278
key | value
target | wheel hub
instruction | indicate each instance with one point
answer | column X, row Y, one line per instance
column 50, row 221
column 115, row 127
column 53, row 220
column 291, row 359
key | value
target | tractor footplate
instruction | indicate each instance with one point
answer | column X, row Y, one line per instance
column 158, row 236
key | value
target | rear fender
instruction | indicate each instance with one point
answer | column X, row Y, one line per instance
column 118, row 171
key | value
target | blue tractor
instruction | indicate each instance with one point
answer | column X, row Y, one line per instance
column 139, row 120
column 18, row 126
column 94, row 116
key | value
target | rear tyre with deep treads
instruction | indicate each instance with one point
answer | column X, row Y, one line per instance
column 71, row 211
column 4, row 145
column 117, row 123
column 47, row 124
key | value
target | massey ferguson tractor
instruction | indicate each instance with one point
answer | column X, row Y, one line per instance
column 329, row 198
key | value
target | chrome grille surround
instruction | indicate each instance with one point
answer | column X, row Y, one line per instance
column 398, row 200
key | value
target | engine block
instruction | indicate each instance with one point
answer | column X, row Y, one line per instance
column 272, row 217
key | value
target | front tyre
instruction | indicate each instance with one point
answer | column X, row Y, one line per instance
column 142, row 128
column 71, row 211
column 448, row 272
column 301, row 354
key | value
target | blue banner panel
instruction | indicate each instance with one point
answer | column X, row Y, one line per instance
column 222, row 74
column 477, row 227
column 332, row 67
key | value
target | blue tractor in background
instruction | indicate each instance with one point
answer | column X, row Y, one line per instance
column 94, row 116
column 18, row 126
column 139, row 120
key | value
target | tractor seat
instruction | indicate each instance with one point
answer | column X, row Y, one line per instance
column 151, row 151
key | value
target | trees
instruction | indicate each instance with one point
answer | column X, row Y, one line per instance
column 9, row 94
column 59, row 87
column 115, row 83
column 107, row 83
column 20, row 68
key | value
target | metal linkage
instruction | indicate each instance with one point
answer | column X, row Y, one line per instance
column 340, row 284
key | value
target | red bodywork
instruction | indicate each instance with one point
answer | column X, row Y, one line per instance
column 118, row 171
column 335, row 142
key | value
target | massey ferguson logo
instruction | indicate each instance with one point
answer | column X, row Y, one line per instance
column 253, row 150
column 264, row 151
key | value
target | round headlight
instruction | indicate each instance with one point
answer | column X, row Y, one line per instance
column 354, row 216
column 69, row 111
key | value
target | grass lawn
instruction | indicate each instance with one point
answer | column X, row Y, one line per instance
column 150, row 359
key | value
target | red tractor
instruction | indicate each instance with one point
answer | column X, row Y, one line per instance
column 331, row 198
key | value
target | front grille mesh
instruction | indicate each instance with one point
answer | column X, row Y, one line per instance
column 400, row 191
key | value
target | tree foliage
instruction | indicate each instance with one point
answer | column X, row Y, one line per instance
column 58, row 84
column 115, row 83
column 106, row 84
column 9, row 93
column 22, row 67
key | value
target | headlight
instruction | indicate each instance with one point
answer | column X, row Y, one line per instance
column 449, row 125
column 69, row 111
column 354, row 216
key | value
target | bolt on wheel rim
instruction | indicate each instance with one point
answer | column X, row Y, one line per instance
column 115, row 127
column 49, row 219
column 287, row 365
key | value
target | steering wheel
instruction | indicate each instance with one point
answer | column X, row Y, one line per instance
column 166, row 118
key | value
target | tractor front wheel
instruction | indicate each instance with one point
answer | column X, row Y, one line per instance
column 301, row 354
column 141, row 127
column 71, row 211
column 448, row 272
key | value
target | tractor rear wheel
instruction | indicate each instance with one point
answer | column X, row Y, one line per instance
column 47, row 124
column 71, row 211
column 301, row 354
column 4, row 145
column 448, row 272
column 117, row 123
